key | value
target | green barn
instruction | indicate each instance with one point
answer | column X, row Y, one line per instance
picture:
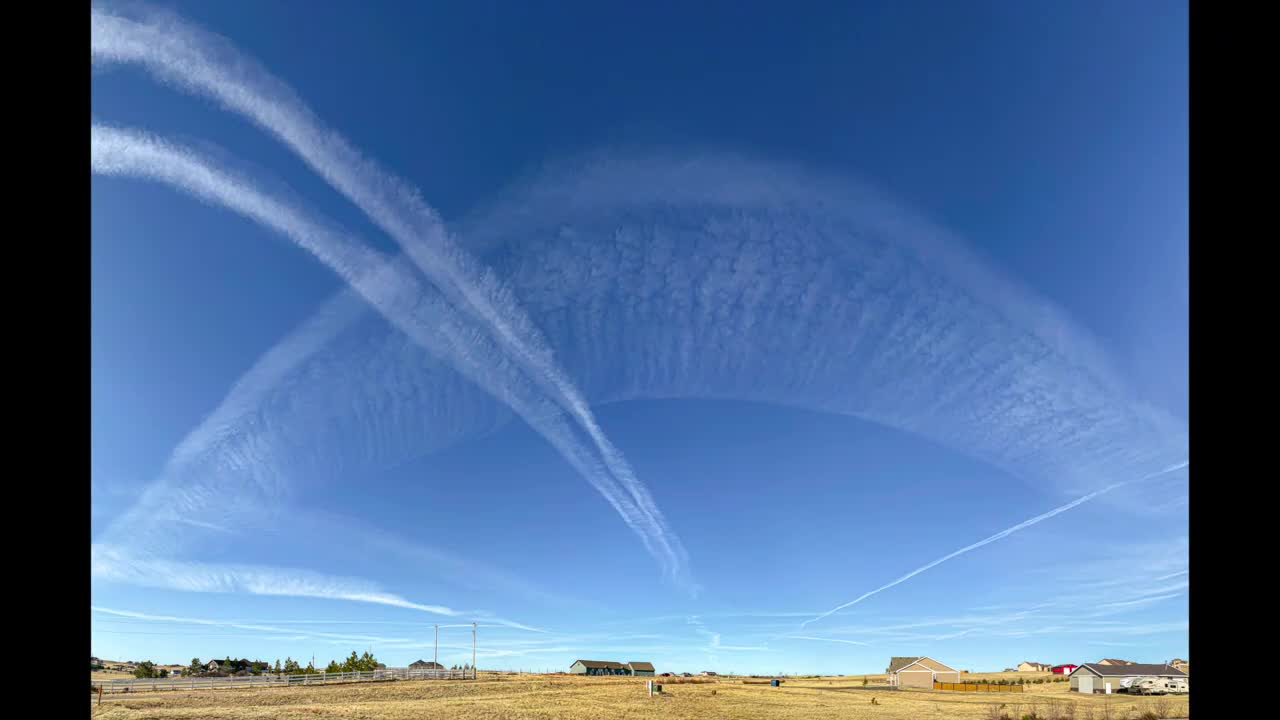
column 597, row 667
column 642, row 669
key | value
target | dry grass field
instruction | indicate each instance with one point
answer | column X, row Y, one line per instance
column 530, row 697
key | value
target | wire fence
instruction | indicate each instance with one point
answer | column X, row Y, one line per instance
column 131, row 685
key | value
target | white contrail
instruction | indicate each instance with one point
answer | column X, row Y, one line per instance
column 1002, row 534
column 386, row 285
column 834, row 640
column 200, row 62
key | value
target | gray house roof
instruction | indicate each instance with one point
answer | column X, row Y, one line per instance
column 897, row 663
column 598, row 664
column 1128, row 670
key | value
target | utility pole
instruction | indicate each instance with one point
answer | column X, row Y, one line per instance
column 436, row 658
column 473, row 651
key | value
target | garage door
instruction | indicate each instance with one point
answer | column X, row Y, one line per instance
column 916, row 678
column 1086, row 683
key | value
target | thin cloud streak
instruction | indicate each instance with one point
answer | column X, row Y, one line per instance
column 987, row 541
column 114, row 565
column 238, row 626
column 822, row 639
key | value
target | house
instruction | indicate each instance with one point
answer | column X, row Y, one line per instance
column 919, row 672
column 1099, row 678
column 598, row 667
column 641, row 669
column 213, row 665
column 425, row 665
column 1033, row 667
column 1110, row 661
column 1182, row 665
column 708, row 673
column 1064, row 669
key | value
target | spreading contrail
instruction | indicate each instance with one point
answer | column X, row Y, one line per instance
column 1002, row 534
column 205, row 64
column 388, row 286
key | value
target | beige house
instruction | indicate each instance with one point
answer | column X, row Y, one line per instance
column 1029, row 666
column 919, row 672
column 1182, row 665
column 1107, row 679
column 1111, row 661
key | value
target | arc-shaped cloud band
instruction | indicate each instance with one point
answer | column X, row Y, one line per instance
column 660, row 278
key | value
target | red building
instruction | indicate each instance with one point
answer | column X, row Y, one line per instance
column 1063, row 669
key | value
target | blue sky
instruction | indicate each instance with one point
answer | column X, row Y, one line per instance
column 640, row 333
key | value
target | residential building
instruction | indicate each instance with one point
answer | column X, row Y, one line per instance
column 597, row 667
column 641, row 669
column 919, row 672
column 1099, row 678
column 1033, row 667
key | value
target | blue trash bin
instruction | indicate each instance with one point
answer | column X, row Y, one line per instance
column 776, row 682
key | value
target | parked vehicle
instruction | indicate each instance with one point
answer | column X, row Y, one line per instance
column 1148, row 686
column 1156, row 686
column 1177, row 686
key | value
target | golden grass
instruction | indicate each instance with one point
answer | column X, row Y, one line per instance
column 539, row 697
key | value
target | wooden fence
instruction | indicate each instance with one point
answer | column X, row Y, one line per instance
column 976, row 687
column 226, row 683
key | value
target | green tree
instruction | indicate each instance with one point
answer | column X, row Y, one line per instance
column 145, row 670
column 333, row 667
column 291, row 667
column 311, row 669
column 195, row 667
column 277, row 670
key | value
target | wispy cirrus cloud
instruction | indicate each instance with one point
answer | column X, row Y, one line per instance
column 173, row 619
column 120, row 566
column 117, row 565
